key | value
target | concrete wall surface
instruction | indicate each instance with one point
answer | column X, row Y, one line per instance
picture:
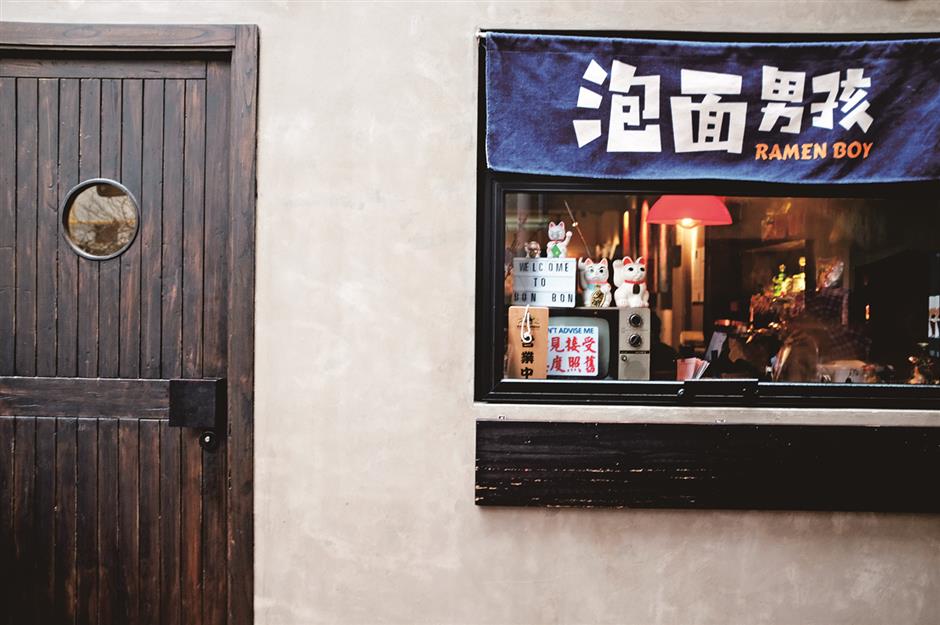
column 365, row 297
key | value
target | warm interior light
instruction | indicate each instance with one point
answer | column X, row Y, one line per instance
column 645, row 230
column 627, row 248
column 689, row 211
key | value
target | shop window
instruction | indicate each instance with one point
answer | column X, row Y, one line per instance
column 803, row 295
column 614, row 289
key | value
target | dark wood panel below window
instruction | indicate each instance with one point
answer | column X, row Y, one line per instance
column 707, row 466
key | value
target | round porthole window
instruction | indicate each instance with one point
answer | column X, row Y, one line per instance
column 100, row 218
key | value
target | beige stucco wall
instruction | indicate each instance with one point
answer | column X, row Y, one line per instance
column 364, row 491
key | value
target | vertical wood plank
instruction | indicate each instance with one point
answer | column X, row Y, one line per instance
column 149, row 539
column 214, row 569
column 191, row 527
column 86, row 537
column 136, row 517
column 193, row 226
column 127, row 578
column 47, row 244
column 172, row 245
column 151, row 229
column 109, row 593
column 215, row 528
column 44, row 518
column 193, row 239
column 89, row 167
column 241, row 325
column 217, row 217
column 131, row 151
column 7, row 550
column 66, row 577
column 170, row 525
column 27, row 139
column 25, row 567
column 109, row 271
column 7, row 224
column 67, row 292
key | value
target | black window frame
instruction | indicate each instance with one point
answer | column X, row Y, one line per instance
column 491, row 387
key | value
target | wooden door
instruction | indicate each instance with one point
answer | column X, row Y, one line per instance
column 110, row 512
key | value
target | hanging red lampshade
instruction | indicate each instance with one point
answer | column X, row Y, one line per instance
column 690, row 211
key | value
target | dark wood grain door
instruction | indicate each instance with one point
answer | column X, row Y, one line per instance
column 108, row 513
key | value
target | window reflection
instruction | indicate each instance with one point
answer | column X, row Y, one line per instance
column 100, row 219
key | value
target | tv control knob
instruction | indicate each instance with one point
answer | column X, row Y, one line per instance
column 635, row 320
column 635, row 340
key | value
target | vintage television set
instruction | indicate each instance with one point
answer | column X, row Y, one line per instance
column 624, row 339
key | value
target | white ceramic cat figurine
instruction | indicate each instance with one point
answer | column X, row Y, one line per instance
column 933, row 327
column 557, row 240
column 630, row 280
column 596, row 293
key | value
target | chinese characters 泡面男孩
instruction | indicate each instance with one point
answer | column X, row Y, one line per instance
column 709, row 114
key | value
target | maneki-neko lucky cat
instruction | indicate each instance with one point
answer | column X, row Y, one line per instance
column 630, row 280
column 596, row 292
column 933, row 322
column 558, row 240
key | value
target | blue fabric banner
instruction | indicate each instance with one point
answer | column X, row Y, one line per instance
column 833, row 112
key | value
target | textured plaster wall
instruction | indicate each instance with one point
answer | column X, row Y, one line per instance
column 364, row 461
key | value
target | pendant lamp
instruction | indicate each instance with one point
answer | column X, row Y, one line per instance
column 689, row 211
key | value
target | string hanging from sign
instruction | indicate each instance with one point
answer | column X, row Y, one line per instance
column 526, row 334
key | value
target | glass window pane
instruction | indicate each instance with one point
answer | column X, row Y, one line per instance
column 100, row 219
column 784, row 289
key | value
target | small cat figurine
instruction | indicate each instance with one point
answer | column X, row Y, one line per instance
column 558, row 240
column 630, row 280
column 594, row 276
column 933, row 327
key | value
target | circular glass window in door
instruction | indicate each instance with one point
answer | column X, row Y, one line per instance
column 100, row 219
